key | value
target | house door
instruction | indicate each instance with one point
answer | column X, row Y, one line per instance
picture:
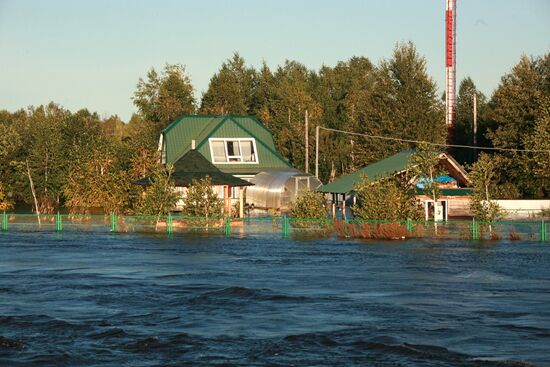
column 441, row 212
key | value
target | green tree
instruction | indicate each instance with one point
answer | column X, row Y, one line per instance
column 539, row 162
column 230, row 90
column 344, row 93
column 483, row 175
column 463, row 129
column 519, row 101
column 10, row 144
column 113, row 127
column 165, row 96
column 42, row 163
column 309, row 205
column 262, row 94
column 201, row 200
column 424, row 165
column 160, row 197
column 141, row 144
column 403, row 104
column 387, row 198
column 97, row 180
column 292, row 96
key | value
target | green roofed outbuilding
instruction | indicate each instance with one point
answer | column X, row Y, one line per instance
column 386, row 167
column 455, row 197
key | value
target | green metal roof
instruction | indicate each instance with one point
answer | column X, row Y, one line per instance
column 179, row 134
column 386, row 167
column 194, row 166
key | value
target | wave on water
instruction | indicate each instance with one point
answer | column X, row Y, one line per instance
column 101, row 346
column 240, row 293
column 350, row 347
column 142, row 301
column 484, row 276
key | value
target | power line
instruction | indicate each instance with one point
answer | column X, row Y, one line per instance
column 435, row 144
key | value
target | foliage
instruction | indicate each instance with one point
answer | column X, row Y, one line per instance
column 165, row 96
column 290, row 95
column 10, row 141
column 482, row 174
column 44, row 143
column 463, row 129
column 201, row 200
column 10, row 144
column 230, row 90
column 309, row 205
column 95, row 180
column 160, row 197
column 114, row 127
column 385, row 199
column 5, row 202
column 404, row 104
column 519, row 103
column 141, row 143
column 396, row 97
column 539, row 161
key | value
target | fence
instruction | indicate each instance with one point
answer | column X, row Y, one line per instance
column 278, row 226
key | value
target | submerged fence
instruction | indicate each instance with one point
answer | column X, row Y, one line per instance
column 278, row 226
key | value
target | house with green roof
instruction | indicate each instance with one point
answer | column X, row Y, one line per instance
column 241, row 146
column 455, row 196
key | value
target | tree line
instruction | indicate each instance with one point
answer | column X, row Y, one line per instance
column 51, row 157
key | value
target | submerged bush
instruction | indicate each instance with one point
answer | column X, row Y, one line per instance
column 385, row 199
column 309, row 204
column 309, row 211
column 201, row 200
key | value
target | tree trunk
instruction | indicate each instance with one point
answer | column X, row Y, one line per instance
column 33, row 193
column 432, row 183
column 488, row 205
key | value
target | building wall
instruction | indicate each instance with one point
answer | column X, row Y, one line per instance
column 523, row 208
column 460, row 206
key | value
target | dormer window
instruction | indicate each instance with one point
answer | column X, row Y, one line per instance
column 233, row 150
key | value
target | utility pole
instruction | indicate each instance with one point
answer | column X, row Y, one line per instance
column 352, row 156
column 475, row 125
column 317, row 151
column 307, row 143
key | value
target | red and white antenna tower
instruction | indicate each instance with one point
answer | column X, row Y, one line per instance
column 450, row 62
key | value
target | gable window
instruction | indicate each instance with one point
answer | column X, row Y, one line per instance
column 239, row 150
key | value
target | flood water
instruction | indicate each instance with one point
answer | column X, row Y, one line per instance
column 138, row 300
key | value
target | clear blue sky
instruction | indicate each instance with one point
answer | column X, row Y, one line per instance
column 92, row 53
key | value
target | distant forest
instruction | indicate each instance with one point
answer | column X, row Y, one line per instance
column 80, row 161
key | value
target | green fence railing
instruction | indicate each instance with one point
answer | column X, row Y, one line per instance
column 278, row 226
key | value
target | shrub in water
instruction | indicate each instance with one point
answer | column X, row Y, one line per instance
column 385, row 199
column 201, row 200
column 390, row 231
column 308, row 205
column 514, row 236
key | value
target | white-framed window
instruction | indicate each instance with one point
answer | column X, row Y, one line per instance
column 233, row 150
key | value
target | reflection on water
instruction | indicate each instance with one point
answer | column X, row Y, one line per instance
column 107, row 300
